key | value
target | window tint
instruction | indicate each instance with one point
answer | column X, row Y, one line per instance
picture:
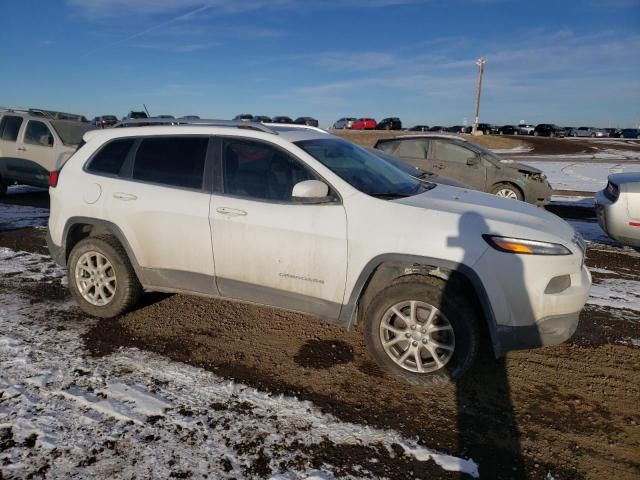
column 257, row 170
column 409, row 148
column 9, row 128
column 111, row 157
column 450, row 152
column 37, row 133
column 176, row 161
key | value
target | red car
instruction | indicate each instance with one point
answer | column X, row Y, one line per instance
column 364, row 124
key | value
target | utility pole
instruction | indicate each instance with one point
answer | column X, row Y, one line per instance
column 480, row 62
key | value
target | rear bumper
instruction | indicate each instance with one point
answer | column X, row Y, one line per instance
column 56, row 252
column 613, row 218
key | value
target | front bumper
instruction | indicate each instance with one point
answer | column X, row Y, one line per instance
column 545, row 332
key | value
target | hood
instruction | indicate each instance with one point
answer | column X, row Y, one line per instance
column 519, row 166
column 502, row 216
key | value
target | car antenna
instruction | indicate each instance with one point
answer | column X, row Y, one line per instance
column 145, row 109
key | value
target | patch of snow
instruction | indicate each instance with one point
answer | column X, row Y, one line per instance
column 21, row 216
column 616, row 293
column 581, row 176
column 138, row 414
column 601, row 270
column 520, row 149
column 30, row 266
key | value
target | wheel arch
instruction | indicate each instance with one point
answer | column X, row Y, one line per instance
column 387, row 269
column 79, row 228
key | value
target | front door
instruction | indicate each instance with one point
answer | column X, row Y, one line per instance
column 458, row 162
column 36, row 150
column 268, row 248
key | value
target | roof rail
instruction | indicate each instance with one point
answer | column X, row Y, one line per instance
column 205, row 122
column 296, row 126
column 39, row 112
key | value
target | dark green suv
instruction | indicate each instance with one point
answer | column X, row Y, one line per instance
column 457, row 158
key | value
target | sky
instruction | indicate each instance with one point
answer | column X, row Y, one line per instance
column 567, row 62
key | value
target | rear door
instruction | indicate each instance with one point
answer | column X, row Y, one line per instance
column 412, row 150
column 160, row 201
column 458, row 162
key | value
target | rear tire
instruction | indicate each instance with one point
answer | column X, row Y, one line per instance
column 445, row 324
column 101, row 277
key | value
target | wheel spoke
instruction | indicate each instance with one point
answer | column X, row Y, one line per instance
column 418, row 359
column 440, row 328
column 399, row 314
column 393, row 329
column 443, row 346
column 413, row 316
column 393, row 341
column 405, row 355
column 434, row 355
column 432, row 316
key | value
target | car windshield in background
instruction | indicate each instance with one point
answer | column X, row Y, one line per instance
column 71, row 132
column 363, row 170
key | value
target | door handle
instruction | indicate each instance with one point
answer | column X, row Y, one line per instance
column 21, row 149
column 124, row 196
column 232, row 212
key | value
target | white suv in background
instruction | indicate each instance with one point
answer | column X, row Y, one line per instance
column 295, row 218
column 32, row 145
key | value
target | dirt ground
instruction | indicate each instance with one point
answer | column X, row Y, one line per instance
column 571, row 409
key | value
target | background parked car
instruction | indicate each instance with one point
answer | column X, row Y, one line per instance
column 438, row 128
column 281, row 119
column 190, row 117
column 618, row 208
column 507, row 130
column 344, row 123
column 525, row 129
column 457, row 158
column 32, row 146
column 262, row 119
column 364, row 124
column 587, row 132
column 548, row 130
column 245, row 117
column 135, row 114
column 456, row 129
column 105, row 121
column 631, row 133
column 419, row 128
column 613, row 132
column 312, row 122
column 391, row 123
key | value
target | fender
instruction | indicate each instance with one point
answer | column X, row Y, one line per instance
column 430, row 266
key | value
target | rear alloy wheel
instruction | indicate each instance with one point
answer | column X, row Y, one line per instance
column 101, row 277
column 507, row 190
column 422, row 332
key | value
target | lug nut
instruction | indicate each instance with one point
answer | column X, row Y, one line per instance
column 424, row 340
column 408, row 335
column 424, row 330
column 415, row 344
column 413, row 327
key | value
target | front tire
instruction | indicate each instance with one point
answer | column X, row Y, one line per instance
column 422, row 332
column 506, row 190
column 101, row 278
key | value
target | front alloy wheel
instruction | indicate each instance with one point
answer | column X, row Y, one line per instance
column 417, row 336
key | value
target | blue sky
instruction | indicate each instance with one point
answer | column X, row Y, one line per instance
column 568, row 62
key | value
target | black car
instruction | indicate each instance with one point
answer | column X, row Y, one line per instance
column 456, row 129
column 246, row 117
column 614, row 132
column 262, row 119
column 391, row 123
column 548, row 130
column 135, row 114
column 508, row 130
column 487, row 128
column 281, row 119
column 438, row 128
column 419, row 128
column 312, row 122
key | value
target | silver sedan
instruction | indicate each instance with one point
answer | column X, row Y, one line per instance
column 618, row 208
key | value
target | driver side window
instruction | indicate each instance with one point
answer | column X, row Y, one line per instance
column 450, row 152
column 260, row 171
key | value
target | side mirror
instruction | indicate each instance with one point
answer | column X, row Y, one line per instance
column 310, row 190
column 473, row 160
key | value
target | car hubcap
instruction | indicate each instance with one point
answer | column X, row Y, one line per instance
column 417, row 336
column 96, row 279
column 507, row 193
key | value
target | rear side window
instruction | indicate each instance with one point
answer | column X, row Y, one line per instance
column 9, row 128
column 111, row 157
column 175, row 161
column 38, row 133
column 450, row 152
column 407, row 148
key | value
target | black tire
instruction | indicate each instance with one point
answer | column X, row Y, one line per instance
column 504, row 186
column 3, row 189
column 128, row 289
column 535, row 134
column 453, row 304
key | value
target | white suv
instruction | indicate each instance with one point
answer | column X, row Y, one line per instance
column 294, row 218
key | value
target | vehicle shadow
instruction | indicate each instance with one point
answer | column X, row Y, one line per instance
column 487, row 426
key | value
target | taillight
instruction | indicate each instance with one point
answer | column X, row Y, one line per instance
column 53, row 178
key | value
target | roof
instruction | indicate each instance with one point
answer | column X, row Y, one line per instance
column 426, row 135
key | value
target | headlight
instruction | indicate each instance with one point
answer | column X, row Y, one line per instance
column 525, row 247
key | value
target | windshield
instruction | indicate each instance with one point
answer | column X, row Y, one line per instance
column 361, row 169
column 71, row 132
